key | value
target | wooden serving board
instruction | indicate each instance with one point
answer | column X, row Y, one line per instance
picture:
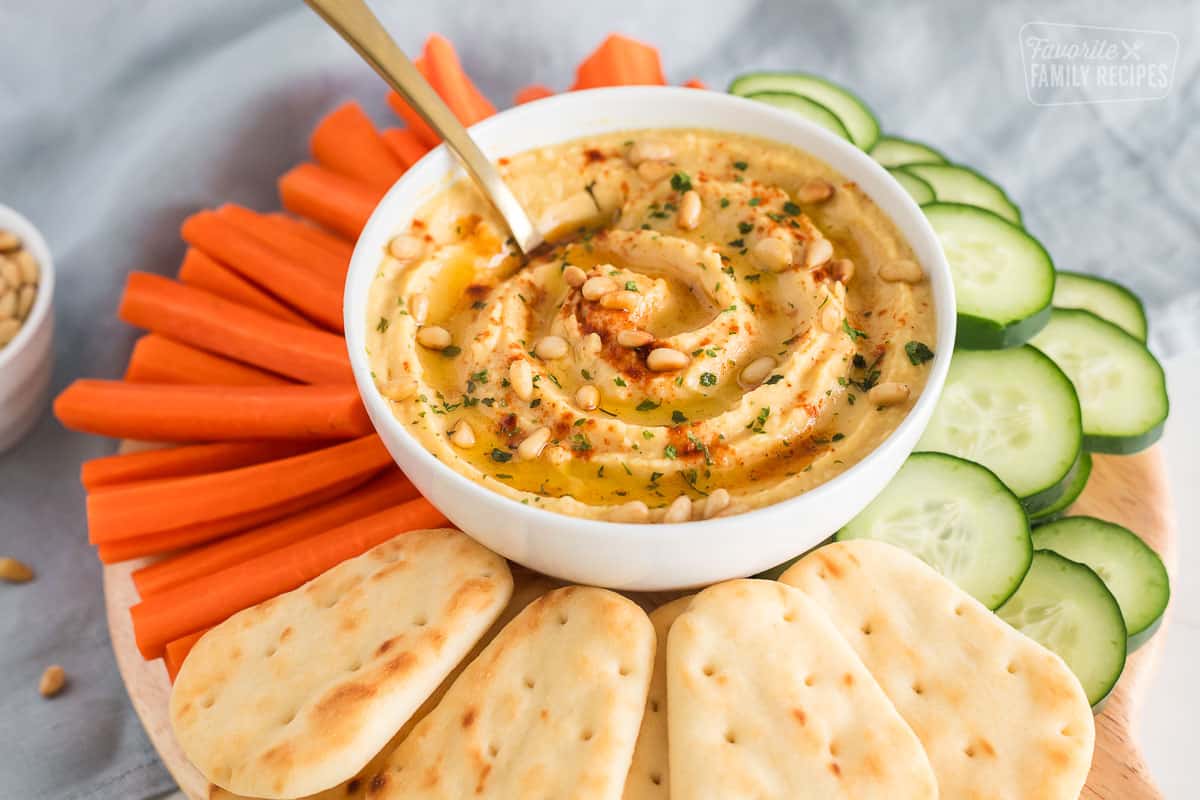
column 1130, row 490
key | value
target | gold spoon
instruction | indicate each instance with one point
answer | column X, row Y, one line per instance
column 361, row 29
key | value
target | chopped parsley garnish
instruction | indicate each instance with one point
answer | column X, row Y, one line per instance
column 647, row 405
column 737, row 243
column 918, row 353
column 753, row 278
column 678, row 417
column 708, row 379
column 758, row 422
column 858, row 361
column 479, row 377
column 837, row 437
column 740, row 165
column 501, row 456
column 535, row 402
column 580, row 443
column 791, row 208
column 478, row 305
column 647, row 434
column 745, row 227
column 587, row 376
column 753, row 201
column 852, row 332
column 701, row 447
column 383, row 325
column 680, row 182
column 630, row 286
column 451, row 351
column 724, row 202
column 669, row 451
column 580, row 421
column 619, row 381
column 774, row 379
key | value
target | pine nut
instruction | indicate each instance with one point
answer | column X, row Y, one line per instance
column 574, row 276
column 587, row 397
column 52, row 682
column 831, row 319
column 666, row 359
column 817, row 253
column 597, row 287
column 10, row 271
column 632, row 339
column 622, row 300
column 902, row 270
column 9, row 328
column 25, row 300
column 463, row 435
column 399, row 389
column 418, row 307
column 653, row 171
column 404, row 248
column 434, row 337
column 550, row 348
column 842, row 270
column 716, row 502
column 772, row 253
column 633, row 511
column 649, row 150
column 8, row 241
column 591, row 344
column 8, row 304
column 757, row 371
column 30, row 272
column 688, row 216
column 888, row 394
column 680, row 510
column 520, row 375
column 14, row 571
column 815, row 191
column 533, row 444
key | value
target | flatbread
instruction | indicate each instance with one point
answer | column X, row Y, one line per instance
column 649, row 778
column 999, row 715
column 296, row 694
column 550, row 709
column 527, row 587
column 768, row 701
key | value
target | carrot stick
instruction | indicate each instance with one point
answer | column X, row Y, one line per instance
column 445, row 73
column 346, row 142
column 281, row 235
column 157, row 359
column 392, row 488
column 317, row 297
column 328, row 199
column 212, row 323
column 202, row 272
column 165, row 412
column 531, row 93
column 173, row 539
column 127, row 511
column 620, row 61
column 176, row 651
column 695, row 83
column 317, row 237
column 174, row 462
column 190, row 607
column 412, row 119
column 405, row 144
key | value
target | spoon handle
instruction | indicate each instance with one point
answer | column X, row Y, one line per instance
column 355, row 22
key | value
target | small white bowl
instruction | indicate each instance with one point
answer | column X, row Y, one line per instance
column 27, row 362
column 656, row 556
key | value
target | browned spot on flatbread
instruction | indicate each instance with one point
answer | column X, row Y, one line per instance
column 481, row 784
column 469, row 718
column 387, row 645
column 848, row 679
column 285, row 634
column 378, row 783
column 800, row 716
column 986, row 747
column 352, row 786
column 835, row 769
column 831, row 566
column 401, row 662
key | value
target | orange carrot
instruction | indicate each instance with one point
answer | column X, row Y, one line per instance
column 445, row 73
column 176, row 651
column 390, row 489
column 346, row 142
column 126, row 511
column 282, row 236
column 173, row 462
column 174, row 539
column 405, row 144
column 328, row 199
column 205, row 273
column 319, row 298
column 165, row 412
column 412, row 119
column 318, row 237
column 212, row 323
column 190, row 607
column 157, row 359
column 620, row 61
column 695, row 83
column 531, row 93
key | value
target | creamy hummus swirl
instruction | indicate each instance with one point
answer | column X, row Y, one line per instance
column 712, row 332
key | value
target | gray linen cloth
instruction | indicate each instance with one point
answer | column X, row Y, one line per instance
column 119, row 118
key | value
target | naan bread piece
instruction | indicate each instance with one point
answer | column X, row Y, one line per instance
column 296, row 694
column 550, row 709
column 1001, row 717
column 649, row 778
column 527, row 587
column 766, row 700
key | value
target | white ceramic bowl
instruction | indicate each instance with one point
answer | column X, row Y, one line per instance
column 629, row 556
column 28, row 360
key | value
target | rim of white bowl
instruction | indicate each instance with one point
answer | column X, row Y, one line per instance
column 601, row 109
column 31, row 239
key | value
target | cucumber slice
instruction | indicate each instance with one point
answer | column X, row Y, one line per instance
column 958, row 518
column 1074, row 488
column 1129, row 568
column 892, row 151
column 918, row 189
column 1003, row 277
column 954, row 183
column 1066, row 608
column 853, row 112
column 809, row 109
column 1104, row 298
column 1015, row 412
column 1121, row 386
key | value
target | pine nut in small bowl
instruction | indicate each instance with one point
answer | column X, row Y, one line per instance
column 26, row 325
column 703, row 372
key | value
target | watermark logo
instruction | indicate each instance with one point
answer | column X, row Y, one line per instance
column 1073, row 64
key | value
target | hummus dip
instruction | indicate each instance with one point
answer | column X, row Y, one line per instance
column 721, row 322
